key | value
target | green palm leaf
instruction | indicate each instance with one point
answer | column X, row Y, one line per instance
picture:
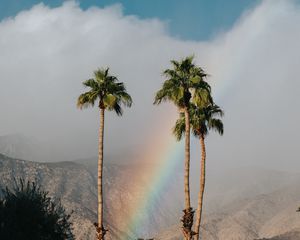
column 202, row 119
column 105, row 88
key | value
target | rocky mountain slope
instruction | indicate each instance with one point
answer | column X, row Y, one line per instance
column 270, row 215
column 287, row 236
column 252, row 204
column 75, row 185
column 70, row 182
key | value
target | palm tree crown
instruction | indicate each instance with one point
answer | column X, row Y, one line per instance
column 106, row 88
column 184, row 81
column 202, row 119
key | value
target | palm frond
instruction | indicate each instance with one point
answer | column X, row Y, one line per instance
column 117, row 108
column 216, row 111
column 90, row 83
column 86, row 99
column 107, row 89
column 216, row 125
column 125, row 99
column 179, row 128
column 202, row 119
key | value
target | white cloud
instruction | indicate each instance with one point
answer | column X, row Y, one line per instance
column 46, row 54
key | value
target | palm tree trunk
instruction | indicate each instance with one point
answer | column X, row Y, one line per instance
column 188, row 216
column 187, row 160
column 202, row 186
column 101, row 230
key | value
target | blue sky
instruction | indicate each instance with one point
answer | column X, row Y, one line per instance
column 187, row 19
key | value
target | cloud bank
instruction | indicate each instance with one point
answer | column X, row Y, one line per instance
column 47, row 52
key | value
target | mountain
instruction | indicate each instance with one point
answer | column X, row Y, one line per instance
column 257, row 207
column 287, row 236
column 18, row 146
column 126, row 195
column 75, row 185
column 70, row 182
column 241, row 204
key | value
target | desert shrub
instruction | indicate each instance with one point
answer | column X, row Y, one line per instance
column 28, row 213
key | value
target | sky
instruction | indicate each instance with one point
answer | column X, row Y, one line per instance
column 251, row 51
column 192, row 19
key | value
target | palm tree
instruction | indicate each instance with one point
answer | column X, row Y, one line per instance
column 110, row 95
column 184, row 82
column 202, row 120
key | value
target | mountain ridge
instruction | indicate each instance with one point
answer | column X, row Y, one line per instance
column 255, row 215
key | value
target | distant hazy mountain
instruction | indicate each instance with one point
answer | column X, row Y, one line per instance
column 76, row 186
column 251, row 206
column 18, row 146
column 286, row 236
column 28, row 148
column 244, row 204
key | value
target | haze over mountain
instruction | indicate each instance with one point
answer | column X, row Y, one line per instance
column 29, row 148
column 256, row 203
column 261, row 209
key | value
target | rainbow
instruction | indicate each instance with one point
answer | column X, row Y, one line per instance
column 165, row 156
column 170, row 160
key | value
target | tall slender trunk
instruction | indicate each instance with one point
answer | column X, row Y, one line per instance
column 101, row 230
column 202, row 186
column 187, row 160
column 188, row 216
